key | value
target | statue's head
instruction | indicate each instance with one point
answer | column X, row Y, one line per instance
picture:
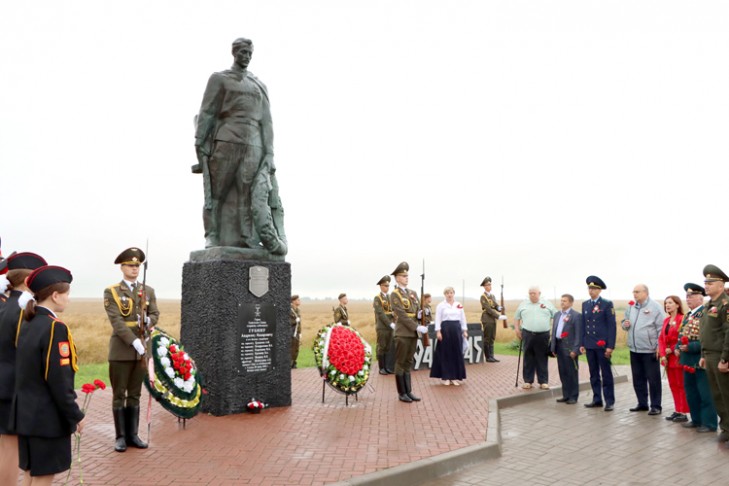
column 242, row 51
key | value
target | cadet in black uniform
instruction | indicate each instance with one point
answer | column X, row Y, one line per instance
column 44, row 411
column 20, row 266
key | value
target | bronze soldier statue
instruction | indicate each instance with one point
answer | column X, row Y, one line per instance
column 234, row 146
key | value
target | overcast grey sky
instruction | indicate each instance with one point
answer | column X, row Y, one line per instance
column 539, row 140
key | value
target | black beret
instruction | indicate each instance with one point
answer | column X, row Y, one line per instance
column 46, row 276
column 26, row 260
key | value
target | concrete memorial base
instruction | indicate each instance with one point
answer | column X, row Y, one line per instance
column 235, row 325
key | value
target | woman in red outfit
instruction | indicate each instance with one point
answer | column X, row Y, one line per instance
column 669, row 352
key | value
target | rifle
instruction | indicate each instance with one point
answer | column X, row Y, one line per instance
column 203, row 168
column 426, row 339
column 501, row 303
column 142, row 326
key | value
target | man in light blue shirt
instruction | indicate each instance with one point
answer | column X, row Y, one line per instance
column 533, row 321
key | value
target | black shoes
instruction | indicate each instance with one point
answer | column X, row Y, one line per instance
column 703, row 429
column 654, row 411
column 680, row 418
column 562, row 400
column 492, row 360
column 593, row 405
column 639, row 408
column 571, row 402
column 690, row 425
column 609, row 408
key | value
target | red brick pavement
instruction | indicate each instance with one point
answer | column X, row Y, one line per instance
column 308, row 443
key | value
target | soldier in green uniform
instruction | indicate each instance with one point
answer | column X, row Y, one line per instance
column 123, row 304
column 384, row 323
column 695, row 381
column 340, row 313
column 405, row 306
column 490, row 313
column 714, row 337
column 295, row 320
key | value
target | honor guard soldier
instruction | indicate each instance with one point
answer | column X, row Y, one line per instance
column 44, row 411
column 384, row 323
column 714, row 336
column 340, row 313
column 490, row 313
column 405, row 306
column 598, row 341
column 295, row 321
column 123, row 304
column 695, row 380
column 19, row 267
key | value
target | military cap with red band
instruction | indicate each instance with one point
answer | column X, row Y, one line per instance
column 46, row 276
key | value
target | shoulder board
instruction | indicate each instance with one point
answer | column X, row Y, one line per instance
column 115, row 286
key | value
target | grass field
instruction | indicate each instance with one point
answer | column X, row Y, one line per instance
column 91, row 329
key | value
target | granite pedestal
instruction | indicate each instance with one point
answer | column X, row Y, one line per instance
column 241, row 342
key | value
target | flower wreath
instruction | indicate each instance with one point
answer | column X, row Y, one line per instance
column 343, row 357
column 177, row 385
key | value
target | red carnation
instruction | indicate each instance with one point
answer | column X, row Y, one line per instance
column 100, row 384
column 564, row 335
column 601, row 343
column 692, row 370
column 88, row 388
column 684, row 340
column 173, row 348
column 631, row 303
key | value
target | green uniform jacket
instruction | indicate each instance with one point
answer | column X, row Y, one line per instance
column 122, row 308
column 715, row 327
column 295, row 321
column 690, row 327
column 340, row 315
column 405, row 306
column 383, row 312
column 489, row 312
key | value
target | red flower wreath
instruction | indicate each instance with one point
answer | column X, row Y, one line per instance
column 346, row 351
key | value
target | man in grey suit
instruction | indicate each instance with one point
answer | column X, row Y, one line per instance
column 565, row 345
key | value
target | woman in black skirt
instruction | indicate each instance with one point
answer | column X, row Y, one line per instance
column 19, row 266
column 451, row 329
column 44, row 411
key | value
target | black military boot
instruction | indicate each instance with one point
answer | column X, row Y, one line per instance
column 490, row 353
column 409, row 389
column 120, row 445
column 131, row 417
column 381, row 364
column 401, row 395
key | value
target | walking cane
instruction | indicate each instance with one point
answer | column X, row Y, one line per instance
column 518, row 362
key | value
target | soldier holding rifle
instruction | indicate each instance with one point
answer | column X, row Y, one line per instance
column 132, row 310
column 490, row 313
column 405, row 306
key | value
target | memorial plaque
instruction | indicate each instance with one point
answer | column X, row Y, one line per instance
column 256, row 324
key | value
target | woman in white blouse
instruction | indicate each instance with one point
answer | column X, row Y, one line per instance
column 451, row 329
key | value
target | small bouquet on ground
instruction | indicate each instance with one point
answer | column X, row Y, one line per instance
column 88, row 389
column 343, row 357
column 255, row 406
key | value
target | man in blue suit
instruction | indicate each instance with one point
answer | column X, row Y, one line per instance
column 598, row 341
column 565, row 345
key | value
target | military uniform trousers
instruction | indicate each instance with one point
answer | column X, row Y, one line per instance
column 404, row 353
column 601, row 376
column 719, row 383
column 126, row 379
column 295, row 341
column 384, row 338
column 698, row 396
